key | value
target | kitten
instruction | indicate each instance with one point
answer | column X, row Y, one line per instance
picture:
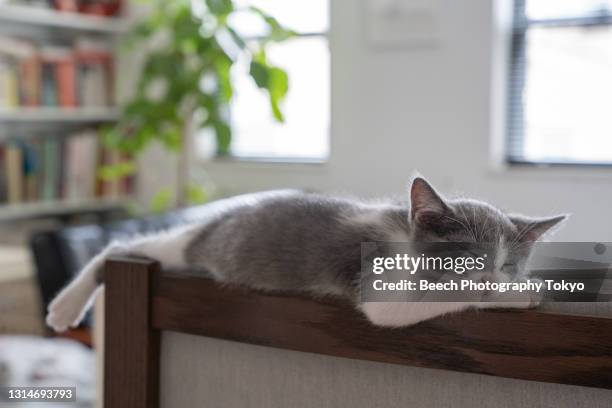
column 296, row 241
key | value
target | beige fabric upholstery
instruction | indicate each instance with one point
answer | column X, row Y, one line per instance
column 200, row 371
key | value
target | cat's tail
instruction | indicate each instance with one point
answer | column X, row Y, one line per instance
column 70, row 305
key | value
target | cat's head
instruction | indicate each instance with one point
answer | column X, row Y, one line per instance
column 508, row 237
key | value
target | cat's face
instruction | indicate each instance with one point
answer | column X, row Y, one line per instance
column 507, row 239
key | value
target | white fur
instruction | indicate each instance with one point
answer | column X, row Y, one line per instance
column 501, row 255
column 399, row 314
column 168, row 248
column 69, row 307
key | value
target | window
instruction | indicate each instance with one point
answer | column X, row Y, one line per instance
column 561, row 82
column 305, row 133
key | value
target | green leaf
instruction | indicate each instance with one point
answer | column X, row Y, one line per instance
column 276, row 111
column 140, row 31
column 192, row 50
column 277, row 31
column 278, row 87
column 276, row 81
column 220, row 7
column 111, row 135
column 260, row 74
column 196, row 194
column 279, row 83
column 223, row 67
column 189, row 46
column 223, row 135
column 172, row 137
column 161, row 201
column 116, row 171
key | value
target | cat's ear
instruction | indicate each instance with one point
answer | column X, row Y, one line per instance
column 532, row 229
column 425, row 202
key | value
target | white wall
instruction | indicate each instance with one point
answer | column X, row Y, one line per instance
column 435, row 110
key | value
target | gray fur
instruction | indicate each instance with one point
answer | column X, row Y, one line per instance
column 291, row 242
column 306, row 242
column 312, row 243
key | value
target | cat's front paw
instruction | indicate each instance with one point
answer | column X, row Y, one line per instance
column 524, row 300
column 536, row 297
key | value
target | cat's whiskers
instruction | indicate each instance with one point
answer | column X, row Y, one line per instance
column 462, row 224
column 468, row 226
column 522, row 233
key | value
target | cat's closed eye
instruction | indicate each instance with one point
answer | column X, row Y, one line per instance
column 509, row 267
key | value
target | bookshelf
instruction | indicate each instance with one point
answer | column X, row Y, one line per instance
column 74, row 90
column 17, row 14
column 15, row 212
column 59, row 115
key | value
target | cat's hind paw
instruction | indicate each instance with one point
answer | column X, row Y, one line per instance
column 63, row 312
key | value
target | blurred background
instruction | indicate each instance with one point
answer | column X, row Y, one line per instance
column 115, row 115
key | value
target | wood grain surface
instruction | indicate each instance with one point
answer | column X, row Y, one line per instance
column 529, row 345
column 131, row 345
column 141, row 301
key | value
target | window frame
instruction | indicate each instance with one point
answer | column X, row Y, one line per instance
column 515, row 132
column 286, row 159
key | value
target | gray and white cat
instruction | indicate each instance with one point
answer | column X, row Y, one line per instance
column 297, row 241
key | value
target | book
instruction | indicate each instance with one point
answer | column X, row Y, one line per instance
column 88, row 151
column 21, row 72
column 93, row 88
column 80, row 152
column 66, row 5
column 66, row 76
column 31, row 170
column 95, row 72
column 3, row 179
column 14, row 172
column 30, row 76
column 48, row 95
column 102, row 8
column 49, row 187
column 9, row 88
column 81, row 75
column 50, row 167
column 50, row 58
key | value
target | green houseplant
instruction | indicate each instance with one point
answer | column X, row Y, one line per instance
column 185, row 83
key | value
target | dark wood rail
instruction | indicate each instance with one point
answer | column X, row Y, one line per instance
column 141, row 301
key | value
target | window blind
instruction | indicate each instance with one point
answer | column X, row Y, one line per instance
column 519, row 68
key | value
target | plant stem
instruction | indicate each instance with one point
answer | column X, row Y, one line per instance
column 184, row 162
